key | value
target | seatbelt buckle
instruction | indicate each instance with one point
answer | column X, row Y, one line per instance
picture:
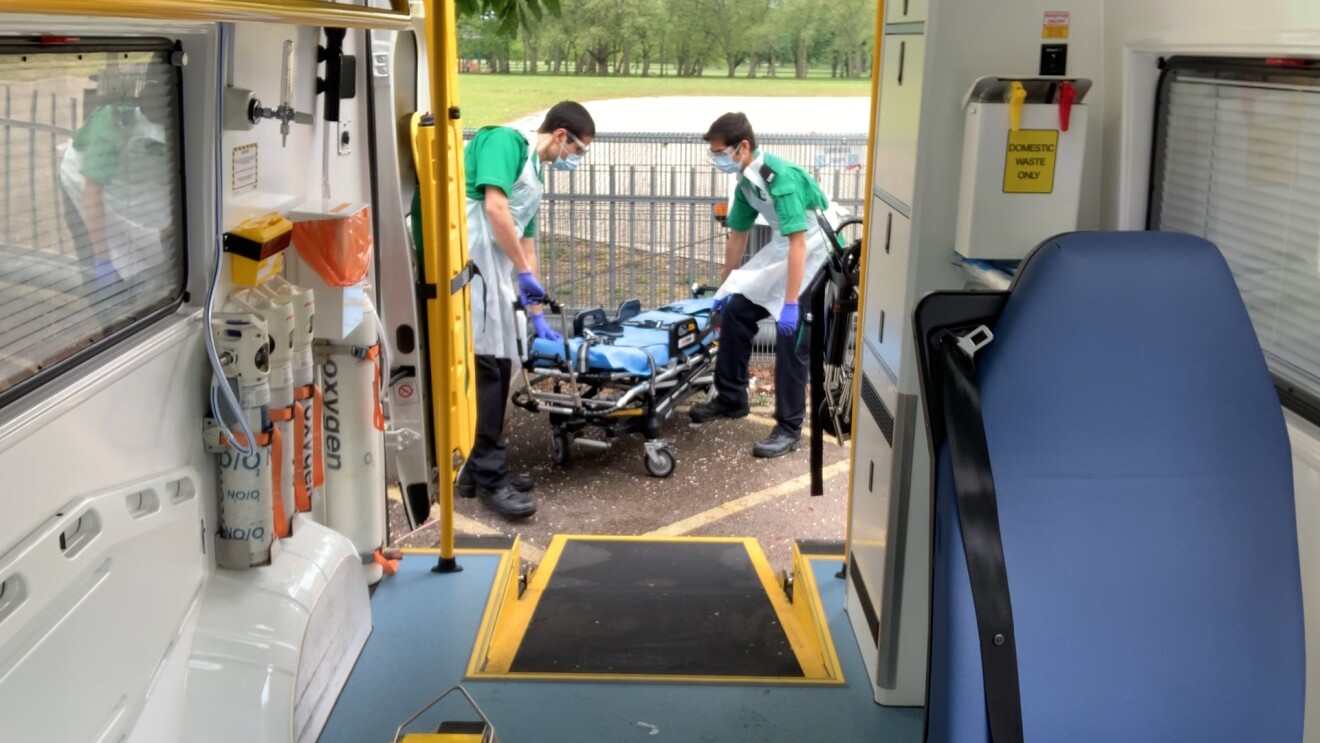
column 975, row 341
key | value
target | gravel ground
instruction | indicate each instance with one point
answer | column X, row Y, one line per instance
column 609, row 492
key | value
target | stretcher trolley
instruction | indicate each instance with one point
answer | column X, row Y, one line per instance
column 621, row 374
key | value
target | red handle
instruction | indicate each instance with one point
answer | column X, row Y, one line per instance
column 1067, row 94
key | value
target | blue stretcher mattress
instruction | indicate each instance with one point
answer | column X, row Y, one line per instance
column 634, row 351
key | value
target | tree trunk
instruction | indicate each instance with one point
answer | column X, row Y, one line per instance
column 646, row 63
column 800, row 59
column 753, row 62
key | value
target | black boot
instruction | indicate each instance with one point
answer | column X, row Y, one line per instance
column 522, row 482
column 777, row 444
column 717, row 408
column 508, row 502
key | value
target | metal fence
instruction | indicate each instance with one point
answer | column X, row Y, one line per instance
column 35, row 121
column 637, row 218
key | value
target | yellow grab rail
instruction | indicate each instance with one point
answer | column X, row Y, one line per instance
column 298, row 12
column 439, row 158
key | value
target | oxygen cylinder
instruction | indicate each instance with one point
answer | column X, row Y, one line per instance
column 354, row 444
column 247, row 481
column 279, row 319
column 308, row 473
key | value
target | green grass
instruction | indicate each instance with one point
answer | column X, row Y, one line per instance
column 498, row 99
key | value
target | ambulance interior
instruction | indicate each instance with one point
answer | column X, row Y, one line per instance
column 1092, row 244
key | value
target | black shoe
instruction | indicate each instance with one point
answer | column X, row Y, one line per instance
column 777, row 444
column 508, row 503
column 717, row 408
column 522, row 482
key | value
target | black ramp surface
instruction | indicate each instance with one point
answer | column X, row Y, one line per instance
column 663, row 608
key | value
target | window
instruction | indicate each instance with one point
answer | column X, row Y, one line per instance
column 1237, row 161
column 91, row 194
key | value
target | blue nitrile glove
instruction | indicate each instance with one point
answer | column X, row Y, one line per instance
column 719, row 303
column 105, row 271
column 788, row 318
column 543, row 329
column 530, row 290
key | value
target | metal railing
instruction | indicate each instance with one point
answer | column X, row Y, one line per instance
column 34, row 125
column 637, row 219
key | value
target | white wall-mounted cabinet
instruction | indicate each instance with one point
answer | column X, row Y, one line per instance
column 901, row 75
column 905, row 11
column 886, row 282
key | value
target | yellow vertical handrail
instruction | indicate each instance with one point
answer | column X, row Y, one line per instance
column 453, row 371
column 299, row 12
column 866, row 251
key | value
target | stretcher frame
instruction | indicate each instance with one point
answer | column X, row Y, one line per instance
column 641, row 403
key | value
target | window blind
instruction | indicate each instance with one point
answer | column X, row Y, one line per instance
column 1237, row 161
column 91, row 219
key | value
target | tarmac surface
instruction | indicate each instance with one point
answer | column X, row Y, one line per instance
column 718, row 489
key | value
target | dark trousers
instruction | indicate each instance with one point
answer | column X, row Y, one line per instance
column 738, row 326
column 488, row 466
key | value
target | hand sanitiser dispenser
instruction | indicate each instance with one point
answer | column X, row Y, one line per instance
column 1024, row 147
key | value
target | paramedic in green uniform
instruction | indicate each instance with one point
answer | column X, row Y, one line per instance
column 117, row 184
column 769, row 284
column 504, row 184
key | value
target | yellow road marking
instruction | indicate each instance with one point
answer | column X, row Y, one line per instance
column 468, row 526
column 711, row 515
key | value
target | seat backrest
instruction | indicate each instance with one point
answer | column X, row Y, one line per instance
column 1145, row 493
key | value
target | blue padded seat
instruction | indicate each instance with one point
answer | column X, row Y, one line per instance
column 633, row 351
column 1144, row 480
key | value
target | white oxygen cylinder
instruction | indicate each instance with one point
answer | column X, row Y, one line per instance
column 307, row 393
column 354, row 438
column 247, row 517
column 279, row 325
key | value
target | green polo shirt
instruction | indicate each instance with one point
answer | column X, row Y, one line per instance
column 793, row 193
column 496, row 157
column 98, row 142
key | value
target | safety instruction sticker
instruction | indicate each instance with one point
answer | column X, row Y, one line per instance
column 1029, row 161
column 245, row 168
column 1055, row 25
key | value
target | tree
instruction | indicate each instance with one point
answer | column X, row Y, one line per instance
column 850, row 43
column 508, row 15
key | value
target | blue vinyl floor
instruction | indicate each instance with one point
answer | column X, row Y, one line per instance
column 425, row 626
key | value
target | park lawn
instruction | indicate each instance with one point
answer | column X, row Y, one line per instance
column 499, row 99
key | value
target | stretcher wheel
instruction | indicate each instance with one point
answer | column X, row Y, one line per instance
column 561, row 447
column 660, row 464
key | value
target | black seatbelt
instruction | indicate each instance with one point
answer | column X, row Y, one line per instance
column 816, row 377
column 978, row 513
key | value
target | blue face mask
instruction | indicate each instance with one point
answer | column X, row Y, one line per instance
column 724, row 163
column 568, row 162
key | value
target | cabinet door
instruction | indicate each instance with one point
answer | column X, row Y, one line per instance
column 905, row 11
column 899, row 114
column 883, row 317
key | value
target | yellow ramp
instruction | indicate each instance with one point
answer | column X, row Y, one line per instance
column 682, row 609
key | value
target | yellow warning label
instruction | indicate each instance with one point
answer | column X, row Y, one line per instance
column 1029, row 161
column 1055, row 24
